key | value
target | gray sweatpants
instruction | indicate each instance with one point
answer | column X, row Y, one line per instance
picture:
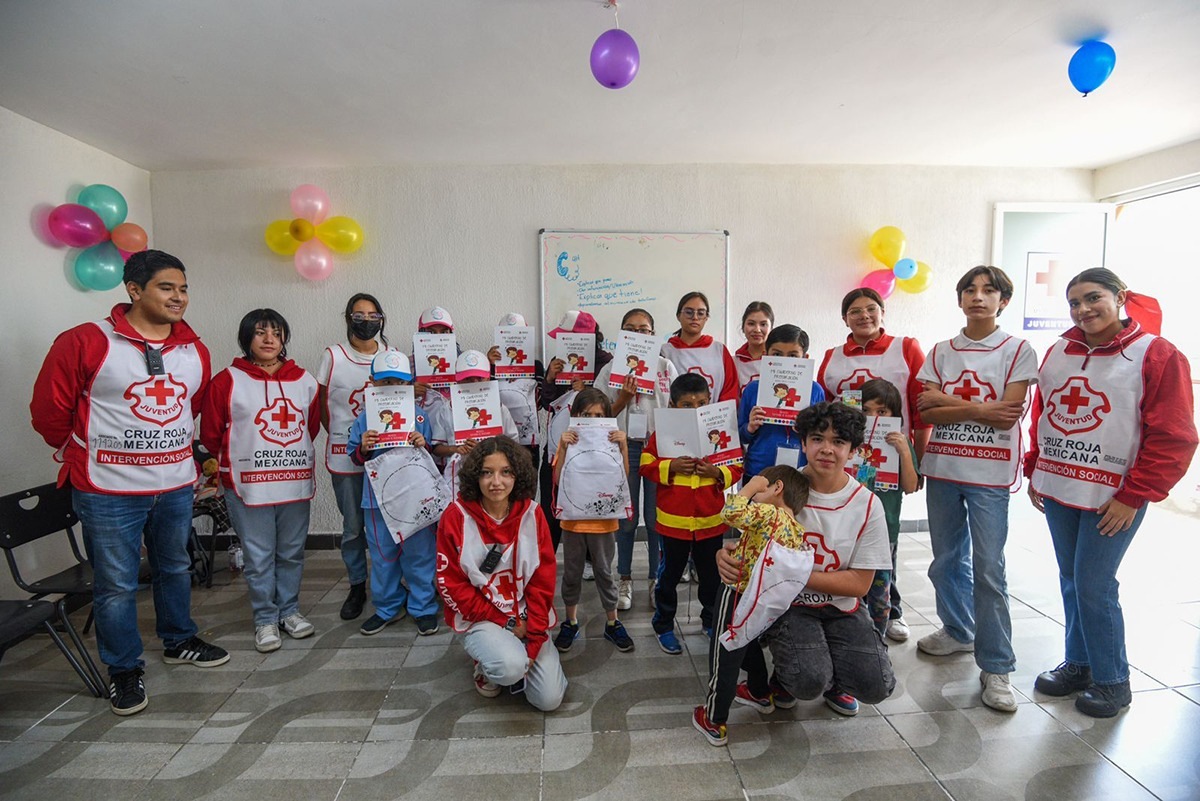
column 603, row 547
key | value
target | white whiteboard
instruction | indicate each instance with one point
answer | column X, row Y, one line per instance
column 607, row 273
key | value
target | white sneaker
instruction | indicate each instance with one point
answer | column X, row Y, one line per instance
column 940, row 643
column 897, row 630
column 483, row 686
column 588, row 573
column 266, row 638
column 625, row 594
column 297, row 626
column 997, row 691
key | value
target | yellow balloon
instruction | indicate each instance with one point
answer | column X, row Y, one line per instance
column 887, row 245
column 341, row 234
column 279, row 238
column 919, row 282
column 302, row 230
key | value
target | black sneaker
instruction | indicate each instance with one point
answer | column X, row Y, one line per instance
column 375, row 624
column 196, row 651
column 127, row 692
column 566, row 635
column 1065, row 679
column 352, row 607
column 1104, row 700
column 614, row 632
column 426, row 625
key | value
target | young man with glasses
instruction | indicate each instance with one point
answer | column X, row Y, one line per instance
column 117, row 400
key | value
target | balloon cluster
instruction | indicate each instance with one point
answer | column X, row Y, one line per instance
column 615, row 56
column 96, row 223
column 311, row 238
column 888, row 245
column 1091, row 65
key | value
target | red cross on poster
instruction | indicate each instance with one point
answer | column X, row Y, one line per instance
column 515, row 343
column 784, row 387
column 476, row 411
column 636, row 354
column 391, row 412
column 433, row 359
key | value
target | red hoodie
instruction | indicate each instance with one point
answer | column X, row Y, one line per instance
column 61, row 405
column 214, row 422
column 1168, row 429
column 459, row 593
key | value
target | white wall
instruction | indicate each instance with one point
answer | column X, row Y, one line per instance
column 1162, row 170
column 466, row 237
column 41, row 168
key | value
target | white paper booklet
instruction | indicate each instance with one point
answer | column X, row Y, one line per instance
column 593, row 483
column 577, row 351
column 476, row 411
column 433, row 359
column 637, row 354
column 516, row 343
column 709, row 432
column 784, row 387
column 392, row 412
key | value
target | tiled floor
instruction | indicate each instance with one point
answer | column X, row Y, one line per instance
column 342, row 716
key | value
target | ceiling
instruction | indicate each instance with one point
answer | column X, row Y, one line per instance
column 172, row 85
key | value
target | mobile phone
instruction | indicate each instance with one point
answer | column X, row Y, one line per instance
column 492, row 559
column 154, row 361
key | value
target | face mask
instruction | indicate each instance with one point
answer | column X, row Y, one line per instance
column 367, row 329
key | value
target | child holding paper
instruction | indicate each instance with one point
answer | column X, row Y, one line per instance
column 691, row 494
column 391, row 562
column 519, row 395
column 881, row 398
column 768, row 527
column 594, row 537
column 764, row 443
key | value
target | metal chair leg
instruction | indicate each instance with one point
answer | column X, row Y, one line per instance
column 83, row 651
column 88, row 682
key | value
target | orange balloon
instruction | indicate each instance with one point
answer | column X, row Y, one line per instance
column 129, row 237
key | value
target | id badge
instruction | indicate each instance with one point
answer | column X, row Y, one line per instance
column 638, row 426
column 788, row 457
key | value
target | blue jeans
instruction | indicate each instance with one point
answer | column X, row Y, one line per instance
column 968, row 527
column 414, row 561
column 1095, row 625
column 348, row 491
column 113, row 530
column 503, row 660
column 628, row 529
column 273, row 539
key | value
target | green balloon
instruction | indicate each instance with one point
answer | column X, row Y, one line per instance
column 106, row 202
column 100, row 267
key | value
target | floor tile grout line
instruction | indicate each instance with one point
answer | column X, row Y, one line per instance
column 937, row 779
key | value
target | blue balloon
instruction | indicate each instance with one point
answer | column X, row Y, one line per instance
column 1091, row 65
column 905, row 269
column 100, row 267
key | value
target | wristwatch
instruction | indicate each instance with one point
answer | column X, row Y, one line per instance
column 511, row 625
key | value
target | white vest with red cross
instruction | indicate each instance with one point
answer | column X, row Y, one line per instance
column 971, row 452
column 271, row 455
column 505, row 586
column 140, row 426
column 707, row 362
column 349, row 375
column 841, row 372
column 1090, row 427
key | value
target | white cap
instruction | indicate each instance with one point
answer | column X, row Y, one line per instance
column 513, row 318
column 435, row 316
column 390, row 364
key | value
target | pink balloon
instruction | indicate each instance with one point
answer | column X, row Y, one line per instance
column 882, row 281
column 311, row 203
column 314, row 261
column 77, row 226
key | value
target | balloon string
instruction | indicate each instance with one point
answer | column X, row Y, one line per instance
column 616, row 12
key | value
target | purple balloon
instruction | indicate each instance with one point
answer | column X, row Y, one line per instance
column 77, row 226
column 615, row 59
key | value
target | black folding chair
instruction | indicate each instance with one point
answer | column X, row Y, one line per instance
column 21, row 619
column 35, row 514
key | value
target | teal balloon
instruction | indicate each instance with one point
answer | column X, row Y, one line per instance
column 106, row 202
column 100, row 267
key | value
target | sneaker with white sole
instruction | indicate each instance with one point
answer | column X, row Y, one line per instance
column 625, row 594
column 897, row 630
column 127, row 692
column 941, row 643
column 266, row 638
column 195, row 651
column 297, row 626
column 715, row 733
column 997, row 691
column 588, row 573
column 764, row 705
column 484, row 687
column 842, row 703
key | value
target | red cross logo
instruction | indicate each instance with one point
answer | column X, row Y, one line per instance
column 824, row 559
column 855, row 380
column 484, row 417
column 875, row 459
column 791, row 398
column 970, row 387
column 707, row 377
column 1053, row 278
column 768, row 561
column 1076, row 407
column 157, row 399
column 641, row 368
column 520, row 357
column 722, row 440
column 281, row 423
column 441, row 366
column 502, row 590
column 160, row 392
column 374, row 474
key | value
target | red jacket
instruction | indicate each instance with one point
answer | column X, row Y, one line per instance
column 214, row 422
column 60, row 394
column 457, row 590
column 1168, row 429
column 914, row 357
column 687, row 507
